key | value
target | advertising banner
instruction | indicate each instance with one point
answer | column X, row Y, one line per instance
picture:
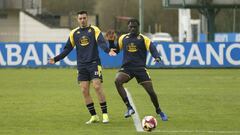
column 174, row 55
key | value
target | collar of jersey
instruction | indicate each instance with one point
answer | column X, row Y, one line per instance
column 84, row 28
column 131, row 35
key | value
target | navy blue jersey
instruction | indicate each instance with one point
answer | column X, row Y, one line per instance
column 135, row 50
column 86, row 40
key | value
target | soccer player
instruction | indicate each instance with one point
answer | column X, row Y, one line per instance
column 86, row 38
column 135, row 46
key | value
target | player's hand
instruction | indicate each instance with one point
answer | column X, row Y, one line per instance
column 110, row 35
column 51, row 61
column 158, row 59
column 112, row 52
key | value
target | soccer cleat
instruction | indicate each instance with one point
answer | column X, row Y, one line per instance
column 129, row 112
column 93, row 119
column 163, row 116
column 105, row 118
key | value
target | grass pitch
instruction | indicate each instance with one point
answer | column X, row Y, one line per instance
column 49, row 102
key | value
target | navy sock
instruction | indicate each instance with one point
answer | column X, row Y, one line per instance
column 127, row 103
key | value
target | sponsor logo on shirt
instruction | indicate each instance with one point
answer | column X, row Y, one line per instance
column 84, row 41
column 132, row 47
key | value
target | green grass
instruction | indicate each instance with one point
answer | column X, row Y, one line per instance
column 49, row 102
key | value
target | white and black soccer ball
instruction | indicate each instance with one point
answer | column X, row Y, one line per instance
column 149, row 123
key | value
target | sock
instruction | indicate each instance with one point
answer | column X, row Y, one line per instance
column 158, row 110
column 104, row 107
column 127, row 103
column 91, row 109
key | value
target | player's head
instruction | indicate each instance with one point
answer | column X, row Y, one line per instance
column 133, row 26
column 82, row 17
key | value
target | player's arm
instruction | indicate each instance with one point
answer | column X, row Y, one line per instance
column 114, row 47
column 152, row 49
column 102, row 42
column 118, row 49
column 110, row 37
column 119, row 45
column 154, row 52
column 104, row 45
column 67, row 49
column 111, row 44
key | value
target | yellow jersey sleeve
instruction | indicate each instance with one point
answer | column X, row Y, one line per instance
column 97, row 31
column 120, row 41
column 71, row 36
column 147, row 41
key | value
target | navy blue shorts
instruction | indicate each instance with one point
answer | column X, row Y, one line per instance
column 90, row 72
column 141, row 74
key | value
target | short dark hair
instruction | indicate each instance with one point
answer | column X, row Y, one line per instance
column 82, row 12
column 133, row 20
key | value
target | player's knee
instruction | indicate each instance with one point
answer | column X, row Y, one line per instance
column 118, row 82
column 97, row 87
column 85, row 92
column 84, row 88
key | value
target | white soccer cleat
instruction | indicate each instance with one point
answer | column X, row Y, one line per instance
column 93, row 119
column 105, row 118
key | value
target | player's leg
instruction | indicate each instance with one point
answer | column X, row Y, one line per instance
column 84, row 85
column 97, row 85
column 149, row 88
column 96, row 77
column 88, row 101
column 122, row 78
column 143, row 78
column 84, row 81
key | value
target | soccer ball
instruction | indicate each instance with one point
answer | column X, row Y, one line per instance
column 149, row 123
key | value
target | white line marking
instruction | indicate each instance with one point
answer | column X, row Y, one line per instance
column 138, row 125
column 198, row 131
column 135, row 117
column 175, row 132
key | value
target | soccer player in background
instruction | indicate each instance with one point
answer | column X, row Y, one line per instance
column 86, row 38
column 135, row 46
